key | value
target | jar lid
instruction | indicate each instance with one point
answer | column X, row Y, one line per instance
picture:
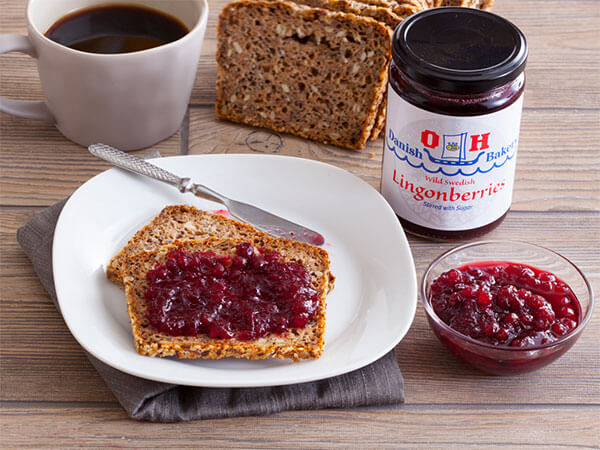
column 459, row 50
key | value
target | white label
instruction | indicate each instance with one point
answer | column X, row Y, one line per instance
column 446, row 172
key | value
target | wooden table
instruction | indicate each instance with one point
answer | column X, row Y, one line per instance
column 52, row 396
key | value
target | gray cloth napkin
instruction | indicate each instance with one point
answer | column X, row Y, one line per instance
column 379, row 383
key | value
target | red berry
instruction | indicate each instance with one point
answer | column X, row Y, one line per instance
column 511, row 319
column 559, row 329
column 504, row 295
column 239, row 262
column 569, row 324
column 526, row 319
column 490, row 328
column 563, row 301
column 453, row 275
column 218, row 270
column 567, row 312
column 536, row 301
column 469, row 291
column 545, row 313
column 515, row 304
column 454, row 299
column 484, row 299
column 502, row 335
column 540, row 324
column 547, row 276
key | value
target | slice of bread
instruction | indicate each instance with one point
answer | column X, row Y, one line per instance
column 295, row 344
column 180, row 222
column 383, row 14
column 380, row 121
column 306, row 71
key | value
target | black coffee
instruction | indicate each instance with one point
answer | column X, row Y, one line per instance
column 116, row 29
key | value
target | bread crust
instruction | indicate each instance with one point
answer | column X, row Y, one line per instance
column 295, row 344
column 381, row 14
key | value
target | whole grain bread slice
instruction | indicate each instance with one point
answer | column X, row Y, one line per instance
column 383, row 14
column 307, row 71
column 295, row 344
column 180, row 222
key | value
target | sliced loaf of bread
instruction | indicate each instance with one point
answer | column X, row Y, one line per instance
column 307, row 71
column 295, row 344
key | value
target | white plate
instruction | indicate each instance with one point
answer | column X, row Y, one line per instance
column 369, row 311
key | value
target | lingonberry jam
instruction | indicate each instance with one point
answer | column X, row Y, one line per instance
column 505, row 304
column 247, row 295
column 453, row 115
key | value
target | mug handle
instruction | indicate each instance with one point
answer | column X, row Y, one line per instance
column 22, row 108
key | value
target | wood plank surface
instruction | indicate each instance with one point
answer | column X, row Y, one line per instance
column 40, row 167
column 51, row 396
column 102, row 425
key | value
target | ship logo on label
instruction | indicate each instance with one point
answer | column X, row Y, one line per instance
column 454, row 152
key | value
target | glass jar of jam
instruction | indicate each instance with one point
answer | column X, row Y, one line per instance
column 454, row 105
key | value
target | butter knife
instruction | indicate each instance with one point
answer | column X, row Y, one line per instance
column 261, row 219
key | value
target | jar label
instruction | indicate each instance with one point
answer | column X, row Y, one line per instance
column 446, row 172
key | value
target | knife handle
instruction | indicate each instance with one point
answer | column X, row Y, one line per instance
column 137, row 165
column 143, row 167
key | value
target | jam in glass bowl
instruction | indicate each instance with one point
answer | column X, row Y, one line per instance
column 506, row 307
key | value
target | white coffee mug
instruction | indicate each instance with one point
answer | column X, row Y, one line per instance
column 126, row 100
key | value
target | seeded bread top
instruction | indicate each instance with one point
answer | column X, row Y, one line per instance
column 306, row 71
column 384, row 3
column 405, row 8
column 481, row 4
column 379, row 13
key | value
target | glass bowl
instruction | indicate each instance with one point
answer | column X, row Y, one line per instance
column 504, row 359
